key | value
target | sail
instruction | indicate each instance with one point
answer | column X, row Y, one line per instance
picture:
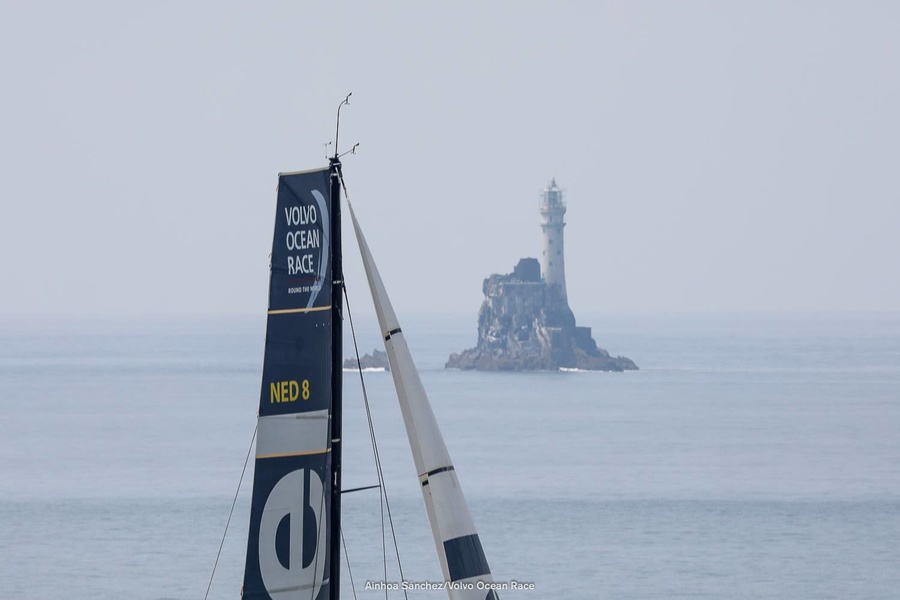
column 459, row 549
column 288, row 550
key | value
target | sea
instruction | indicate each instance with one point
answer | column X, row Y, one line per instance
column 751, row 456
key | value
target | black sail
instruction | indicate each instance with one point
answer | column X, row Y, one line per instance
column 289, row 546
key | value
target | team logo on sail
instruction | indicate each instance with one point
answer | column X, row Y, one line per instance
column 292, row 536
column 306, row 240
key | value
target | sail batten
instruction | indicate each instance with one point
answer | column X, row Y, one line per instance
column 456, row 540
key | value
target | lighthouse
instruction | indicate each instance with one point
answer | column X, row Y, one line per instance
column 525, row 323
column 553, row 263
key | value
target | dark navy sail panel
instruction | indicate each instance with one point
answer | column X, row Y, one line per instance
column 296, row 368
column 298, row 333
column 301, row 249
column 288, row 550
column 288, row 553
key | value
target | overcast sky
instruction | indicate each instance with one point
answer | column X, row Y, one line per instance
column 717, row 156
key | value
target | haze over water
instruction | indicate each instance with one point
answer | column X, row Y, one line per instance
column 751, row 456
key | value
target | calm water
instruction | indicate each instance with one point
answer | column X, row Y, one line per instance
column 752, row 456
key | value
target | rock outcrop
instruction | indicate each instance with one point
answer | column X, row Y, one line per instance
column 526, row 325
column 377, row 360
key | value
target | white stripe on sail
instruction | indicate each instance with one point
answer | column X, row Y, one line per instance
column 456, row 540
column 292, row 434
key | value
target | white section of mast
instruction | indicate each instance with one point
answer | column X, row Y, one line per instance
column 451, row 523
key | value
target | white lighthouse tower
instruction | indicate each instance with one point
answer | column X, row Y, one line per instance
column 553, row 210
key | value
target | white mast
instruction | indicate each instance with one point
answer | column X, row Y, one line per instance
column 458, row 546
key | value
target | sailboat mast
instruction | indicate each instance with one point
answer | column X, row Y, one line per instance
column 336, row 376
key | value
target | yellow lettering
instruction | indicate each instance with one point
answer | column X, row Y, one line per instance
column 287, row 391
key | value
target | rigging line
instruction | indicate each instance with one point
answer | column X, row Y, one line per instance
column 362, row 380
column 368, row 413
column 360, row 489
column 347, row 560
column 231, row 512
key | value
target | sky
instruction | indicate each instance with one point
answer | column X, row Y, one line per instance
column 716, row 156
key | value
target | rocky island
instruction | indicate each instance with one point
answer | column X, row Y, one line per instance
column 377, row 360
column 525, row 323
